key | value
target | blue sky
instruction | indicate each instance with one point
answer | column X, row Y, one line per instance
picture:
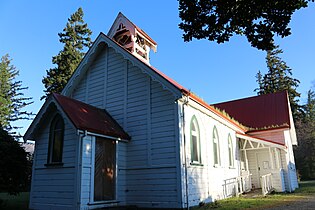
column 214, row 72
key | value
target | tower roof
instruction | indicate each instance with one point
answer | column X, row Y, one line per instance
column 132, row 38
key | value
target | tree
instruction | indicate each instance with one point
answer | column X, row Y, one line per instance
column 13, row 164
column 278, row 78
column 305, row 151
column 75, row 37
column 12, row 99
column 219, row 20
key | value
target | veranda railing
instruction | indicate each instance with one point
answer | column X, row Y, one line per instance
column 237, row 185
column 266, row 183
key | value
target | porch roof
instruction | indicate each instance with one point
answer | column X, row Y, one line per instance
column 90, row 118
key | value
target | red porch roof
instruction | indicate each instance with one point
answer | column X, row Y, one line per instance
column 260, row 112
column 90, row 118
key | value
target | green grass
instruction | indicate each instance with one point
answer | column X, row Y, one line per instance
column 306, row 189
column 260, row 202
column 9, row 202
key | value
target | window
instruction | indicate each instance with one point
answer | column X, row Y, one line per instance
column 195, row 141
column 56, row 136
column 216, row 147
column 230, row 145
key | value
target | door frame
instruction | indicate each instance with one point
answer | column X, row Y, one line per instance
column 91, row 200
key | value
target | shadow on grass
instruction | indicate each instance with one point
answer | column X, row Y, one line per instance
column 10, row 202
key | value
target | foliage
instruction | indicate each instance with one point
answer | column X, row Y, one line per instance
column 14, row 165
column 18, row 202
column 12, row 99
column 278, row 78
column 305, row 151
column 75, row 37
column 219, row 20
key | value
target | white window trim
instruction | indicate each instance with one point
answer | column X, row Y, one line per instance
column 230, row 151
column 215, row 139
column 195, row 133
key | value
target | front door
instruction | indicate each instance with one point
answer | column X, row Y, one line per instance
column 263, row 164
column 105, row 169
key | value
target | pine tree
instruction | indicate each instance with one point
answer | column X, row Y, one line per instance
column 75, row 37
column 12, row 99
column 278, row 78
column 14, row 166
column 305, row 151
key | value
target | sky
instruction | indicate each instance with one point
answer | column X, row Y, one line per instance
column 215, row 72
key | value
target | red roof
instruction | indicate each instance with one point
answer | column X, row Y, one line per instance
column 90, row 118
column 260, row 112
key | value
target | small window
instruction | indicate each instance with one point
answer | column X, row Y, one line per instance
column 195, row 141
column 216, row 147
column 230, row 145
column 56, row 140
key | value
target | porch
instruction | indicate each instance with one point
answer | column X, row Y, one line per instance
column 260, row 166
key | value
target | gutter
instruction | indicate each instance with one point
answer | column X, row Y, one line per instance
column 186, row 100
column 102, row 135
column 79, row 173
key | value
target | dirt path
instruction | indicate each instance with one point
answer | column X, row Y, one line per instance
column 305, row 204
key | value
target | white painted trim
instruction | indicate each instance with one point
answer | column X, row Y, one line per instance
column 178, row 137
column 116, row 171
column 93, row 140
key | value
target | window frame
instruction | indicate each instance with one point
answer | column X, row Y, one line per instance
column 230, row 151
column 54, row 131
column 196, row 133
column 217, row 158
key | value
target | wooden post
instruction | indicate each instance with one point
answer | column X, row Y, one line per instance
column 246, row 160
column 271, row 159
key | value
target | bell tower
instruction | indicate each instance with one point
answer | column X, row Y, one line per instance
column 132, row 38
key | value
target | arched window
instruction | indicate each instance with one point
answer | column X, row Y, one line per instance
column 230, row 147
column 195, row 141
column 56, row 136
column 216, row 147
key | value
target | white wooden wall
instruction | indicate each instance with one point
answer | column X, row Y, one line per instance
column 205, row 181
column 148, row 174
column 54, row 187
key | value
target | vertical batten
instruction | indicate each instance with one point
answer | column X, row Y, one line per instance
column 105, row 76
column 149, row 149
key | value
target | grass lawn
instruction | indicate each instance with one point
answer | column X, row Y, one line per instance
column 10, row 202
column 306, row 189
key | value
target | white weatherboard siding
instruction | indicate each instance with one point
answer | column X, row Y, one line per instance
column 206, row 181
column 54, row 187
column 292, row 177
column 147, row 165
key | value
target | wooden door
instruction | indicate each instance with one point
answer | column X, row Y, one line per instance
column 263, row 164
column 105, row 169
